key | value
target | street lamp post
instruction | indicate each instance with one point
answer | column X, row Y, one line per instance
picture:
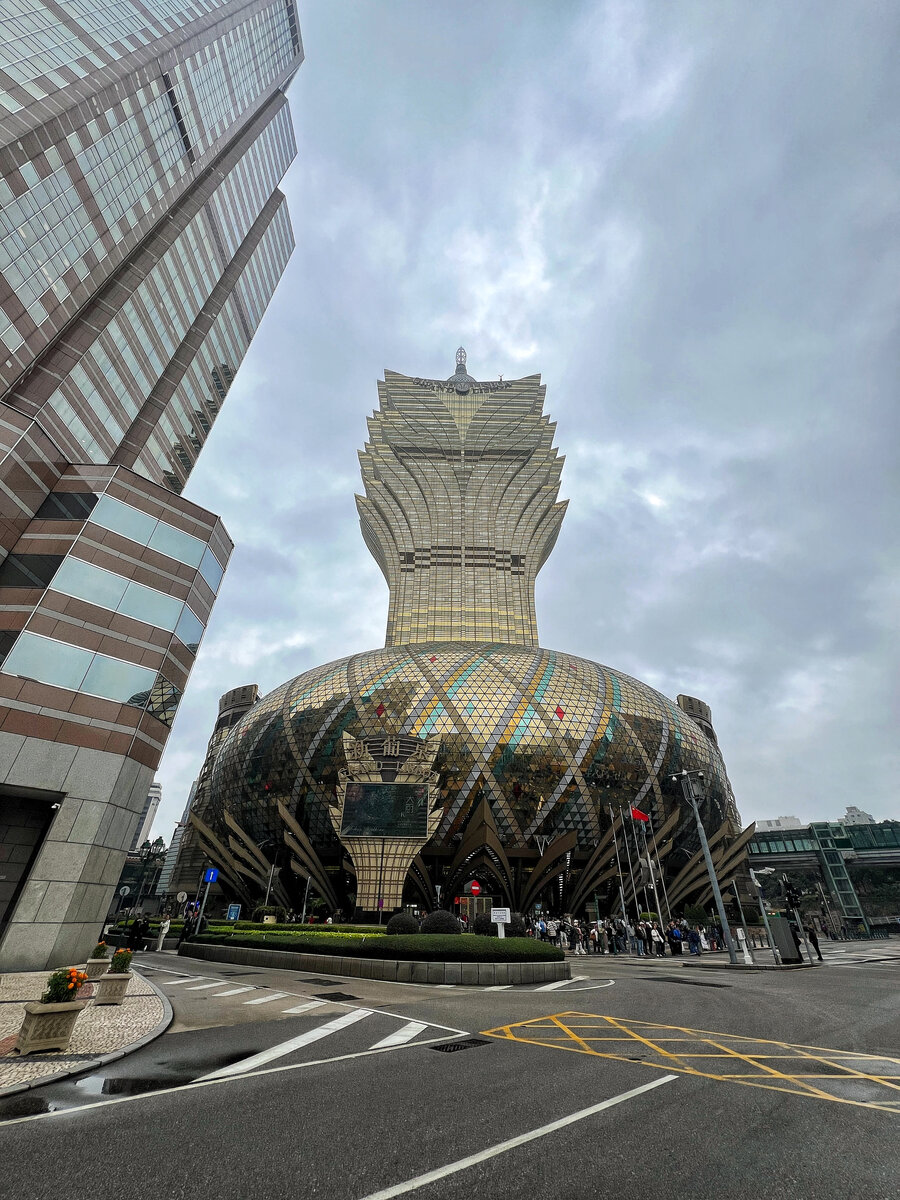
column 687, row 789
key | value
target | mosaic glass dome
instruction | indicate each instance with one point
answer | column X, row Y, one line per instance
column 549, row 738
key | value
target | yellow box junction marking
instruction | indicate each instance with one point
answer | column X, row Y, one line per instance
column 843, row 1076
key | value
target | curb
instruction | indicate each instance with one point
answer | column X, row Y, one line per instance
column 467, row 974
column 103, row 1059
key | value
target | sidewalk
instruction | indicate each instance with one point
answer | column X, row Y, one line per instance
column 101, row 1034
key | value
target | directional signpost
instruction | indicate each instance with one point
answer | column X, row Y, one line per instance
column 500, row 917
column 210, row 875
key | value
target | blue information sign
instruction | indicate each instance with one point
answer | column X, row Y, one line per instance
column 234, row 912
column 210, row 875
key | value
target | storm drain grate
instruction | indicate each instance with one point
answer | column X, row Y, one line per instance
column 465, row 1044
column 335, row 996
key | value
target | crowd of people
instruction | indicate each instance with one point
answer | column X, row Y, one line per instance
column 643, row 938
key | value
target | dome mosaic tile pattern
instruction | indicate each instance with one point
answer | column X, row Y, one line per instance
column 551, row 739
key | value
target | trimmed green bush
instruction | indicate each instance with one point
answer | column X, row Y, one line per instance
column 441, row 922
column 465, row 947
column 402, row 923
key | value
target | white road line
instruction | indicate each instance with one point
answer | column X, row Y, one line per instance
column 187, row 1087
column 199, row 987
column 268, row 999
column 595, row 986
column 560, row 983
column 300, row 1008
column 410, row 1030
column 279, row 1051
column 499, row 987
column 419, row 1181
column 235, row 991
column 187, row 979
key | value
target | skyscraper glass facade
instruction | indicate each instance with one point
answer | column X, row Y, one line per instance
column 142, row 235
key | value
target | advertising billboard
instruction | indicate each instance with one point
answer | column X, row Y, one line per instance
column 386, row 810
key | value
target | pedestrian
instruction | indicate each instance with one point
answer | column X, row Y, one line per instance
column 163, row 931
column 187, row 928
column 694, row 940
column 658, row 941
column 814, row 941
column 675, row 940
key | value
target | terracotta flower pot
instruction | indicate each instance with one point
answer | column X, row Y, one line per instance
column 48, row 1026
column 111, row 987
column 96, row 967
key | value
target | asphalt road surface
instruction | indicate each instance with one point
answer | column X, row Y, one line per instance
column 639, row 1079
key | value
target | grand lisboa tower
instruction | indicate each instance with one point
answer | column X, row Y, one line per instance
column 461, row 750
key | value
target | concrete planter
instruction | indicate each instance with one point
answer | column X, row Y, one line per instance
column 48, row 1026
column 396, row 970
column 111, row 988
column 95, row 967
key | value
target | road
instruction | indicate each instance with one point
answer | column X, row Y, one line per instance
column 636, row 1080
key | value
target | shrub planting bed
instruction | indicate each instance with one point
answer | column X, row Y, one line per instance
column 455, row 948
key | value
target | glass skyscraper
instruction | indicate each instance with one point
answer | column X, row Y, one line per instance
column 142, row 234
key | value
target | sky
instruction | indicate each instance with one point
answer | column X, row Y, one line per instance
column 685, row 217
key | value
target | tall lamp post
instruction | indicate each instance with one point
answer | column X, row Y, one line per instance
column 687, row 790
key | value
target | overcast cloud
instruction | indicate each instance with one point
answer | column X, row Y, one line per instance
column 685, row 216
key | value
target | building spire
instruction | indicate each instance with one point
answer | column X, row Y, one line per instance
column 461, row 361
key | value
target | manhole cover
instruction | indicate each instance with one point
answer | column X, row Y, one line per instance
column 465, row 1044
column 335, row 996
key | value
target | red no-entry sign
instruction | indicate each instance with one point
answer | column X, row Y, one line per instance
column 475, row 888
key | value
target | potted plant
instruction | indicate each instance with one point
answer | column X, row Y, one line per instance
column 112, row 986
column 98, row 963
column 49, row 1022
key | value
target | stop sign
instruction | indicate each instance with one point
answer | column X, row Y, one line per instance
column 476, row 888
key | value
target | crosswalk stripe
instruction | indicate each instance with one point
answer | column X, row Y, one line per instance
column 268, row 999
column 560, row 983
column 297, row 1043
column 405, row 1034
column 187, row 979
column 499, row 987
column 199, row 987
column 300, row 1008
column 234, row 991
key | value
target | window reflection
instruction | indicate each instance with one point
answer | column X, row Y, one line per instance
column 48, row 661
column 166, row 539
column 211, row 569
column 189, row 629
column 114, row 679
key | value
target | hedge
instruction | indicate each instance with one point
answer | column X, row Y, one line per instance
column 465, row 947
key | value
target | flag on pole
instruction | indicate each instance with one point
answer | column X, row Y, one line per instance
column 637, row 815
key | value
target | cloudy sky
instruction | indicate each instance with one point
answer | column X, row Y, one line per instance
column 685, row 217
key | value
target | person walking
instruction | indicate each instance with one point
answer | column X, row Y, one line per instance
column 163, row 932
column 658, row 942
column 675, row 940
column 814, row 941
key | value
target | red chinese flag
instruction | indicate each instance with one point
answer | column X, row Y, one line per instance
column 637, row 815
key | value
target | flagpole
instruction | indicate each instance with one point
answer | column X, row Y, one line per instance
column 637, row 904
column 662, row 877
column 618, row 860
column 637, row 855
column 654, row 867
